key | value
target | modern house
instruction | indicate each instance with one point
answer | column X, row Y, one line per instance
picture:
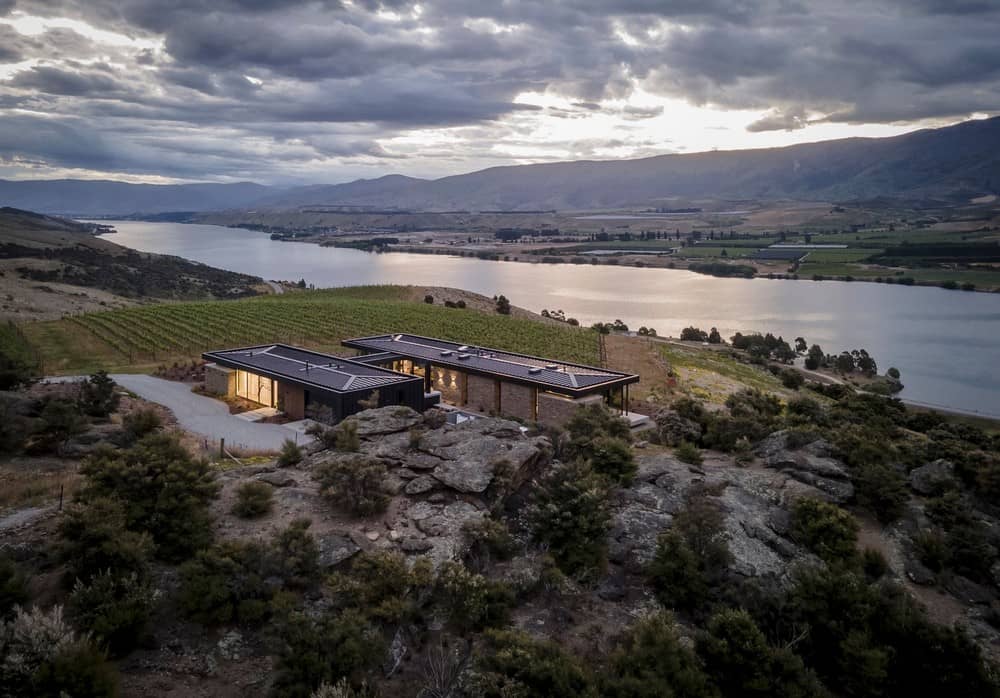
column 491, row 381
column 416, row 371
column 300, row 382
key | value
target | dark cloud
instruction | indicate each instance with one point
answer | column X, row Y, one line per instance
column 279, row 84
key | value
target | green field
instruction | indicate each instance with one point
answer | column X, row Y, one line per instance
column 137, row 338
column 848, row 255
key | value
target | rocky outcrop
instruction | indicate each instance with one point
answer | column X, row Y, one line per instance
column 933, row 478
column 674, row 429
column 386, row 420
column 811, row 464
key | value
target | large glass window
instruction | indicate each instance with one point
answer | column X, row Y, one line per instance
column 255, row 388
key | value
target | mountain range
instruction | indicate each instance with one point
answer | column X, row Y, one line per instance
column 951, row 163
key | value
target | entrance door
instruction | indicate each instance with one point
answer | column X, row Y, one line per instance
column 266, row 392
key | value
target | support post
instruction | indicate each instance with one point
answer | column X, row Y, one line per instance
column 222, row 447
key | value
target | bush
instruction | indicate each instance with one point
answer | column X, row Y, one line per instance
column 295, row 555
column 825, row 529
column 694, row 334
column 335, row 646
column 354, row 483
column 514, row 664
column 291, row 454
column 163, row 490
column 226, row 583
column 932, row 550
column 60, row 421
column 140, row 423
column 345, row 436
column 342, row 689
column 253, row 499
column 687, row 452
column 588, row 425
column 570, row 514
column 650, row 661
column 429, row 299
column 114, row 608
column 40, row 655
column 503, row 305
column 473, row 601
column 13, row 587
column 612, row 458
column 94, row 538
column 882, row 490
column 382, row 586
column 489, row 538
column 792, row 379
column 98, row 397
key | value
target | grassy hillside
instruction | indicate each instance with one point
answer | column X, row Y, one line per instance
column 134, row 338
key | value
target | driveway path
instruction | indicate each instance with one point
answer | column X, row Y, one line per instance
column 203, row 415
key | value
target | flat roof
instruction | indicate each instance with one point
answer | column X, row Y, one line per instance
column 283, row 362
column 561, row 376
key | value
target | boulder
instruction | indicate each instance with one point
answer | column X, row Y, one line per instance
column 673, row 428
column 933, row 478
column 828, row 475
column 335, row 549
column 277, row 479
column 386, row 420
column 413, row 544
column 420, row 485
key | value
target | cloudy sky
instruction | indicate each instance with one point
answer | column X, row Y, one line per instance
column 280, row 91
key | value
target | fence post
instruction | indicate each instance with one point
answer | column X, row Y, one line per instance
column 61, row 488
column 222, row 447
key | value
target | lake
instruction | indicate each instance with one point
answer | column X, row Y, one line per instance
column 945, row 343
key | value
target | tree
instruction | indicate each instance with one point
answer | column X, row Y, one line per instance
column 61, row 421
column 612, row 458
column 800, row 345
column 815, row 357
column 355, row 483
column 693, row 334
column 94, row 538
column 845, row 362
column 503, row 305
column 570, row 514
column 165, row 492
column 113, row 607
column 98, row 397
column 714, row 337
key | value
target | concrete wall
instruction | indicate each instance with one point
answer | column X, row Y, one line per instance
column 220, row 380
column 292, row 400
column 482, row 394
column 556, row 410
column 517, row 401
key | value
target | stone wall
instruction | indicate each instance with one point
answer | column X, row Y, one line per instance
column 220, row 380
column 292, row 400
column 517, row 401
column 481, row 394
column 556, row 410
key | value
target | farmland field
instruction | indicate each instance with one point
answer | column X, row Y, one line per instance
column 134, row 338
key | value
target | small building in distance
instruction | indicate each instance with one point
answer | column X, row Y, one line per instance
column 304, row 383
column 491, row 381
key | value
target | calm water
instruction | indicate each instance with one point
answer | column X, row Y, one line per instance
column 945, row 343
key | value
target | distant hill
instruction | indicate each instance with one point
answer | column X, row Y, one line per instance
column 955, row 162
column 77, row 197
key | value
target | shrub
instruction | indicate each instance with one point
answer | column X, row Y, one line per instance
column 164, row 491
column 98, row 397
column 13, row 587
column 94, row 538
column 694, row 334
column 354, row 483
column 342, row 689
column 612, row 457
column 473, row 601
column 60, row 421
column 429, row 299
column 291, row 454
column 825, row 529
column 114, row 608
column 514, row 664
column 226, row 583
column 382, row 586
column 503, row 305
column 687, row 452
column 792, row 379
column 295, row 554
column 40, row 655
column 346, row 437
column 932, row 550
column 570, row 515
column 650, row 661
column 335, row 646
column 139, row 423
column 882, row 490
column 489, row 538
column 738, row 657
column 590, row 424
column 253, row 499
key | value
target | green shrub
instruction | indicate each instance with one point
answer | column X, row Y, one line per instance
column 612, row 457
column 570, row 515
column 114, row 608
column 60, row 422
column 335, row 646
column 687, row 452
column 295, row 555
column 650, row 661
column 473, row 601
column 253, row 499
column 383, row 586
column 226, row 583
column 514, row 664
column 792, row 379
column 165, row 492
column 40, row 655
column 591, row 424
column 489, row 538
column 98, row 397
column 140, row 423
column 355, row 483
column 291, row 454
column 825, row 529
column 346, row 436
column 94, row 538
column 874, row 564
column 882, row 490
column 13, row 587
column 343, row 689
column 932, row 550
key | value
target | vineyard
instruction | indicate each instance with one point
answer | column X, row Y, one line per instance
column 160, row 333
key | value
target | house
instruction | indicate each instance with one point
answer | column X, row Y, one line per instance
column 492, row 381
column 304, row 383
column 418, row 372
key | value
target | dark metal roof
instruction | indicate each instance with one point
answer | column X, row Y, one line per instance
column 282, row 362
column 547, row 373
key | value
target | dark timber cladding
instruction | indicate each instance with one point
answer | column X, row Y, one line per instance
column 304, row 379
column 491, row 381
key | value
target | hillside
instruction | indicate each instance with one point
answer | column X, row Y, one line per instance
column 952, row 163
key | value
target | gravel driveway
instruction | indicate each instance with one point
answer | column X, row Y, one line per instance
column 202, row 415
